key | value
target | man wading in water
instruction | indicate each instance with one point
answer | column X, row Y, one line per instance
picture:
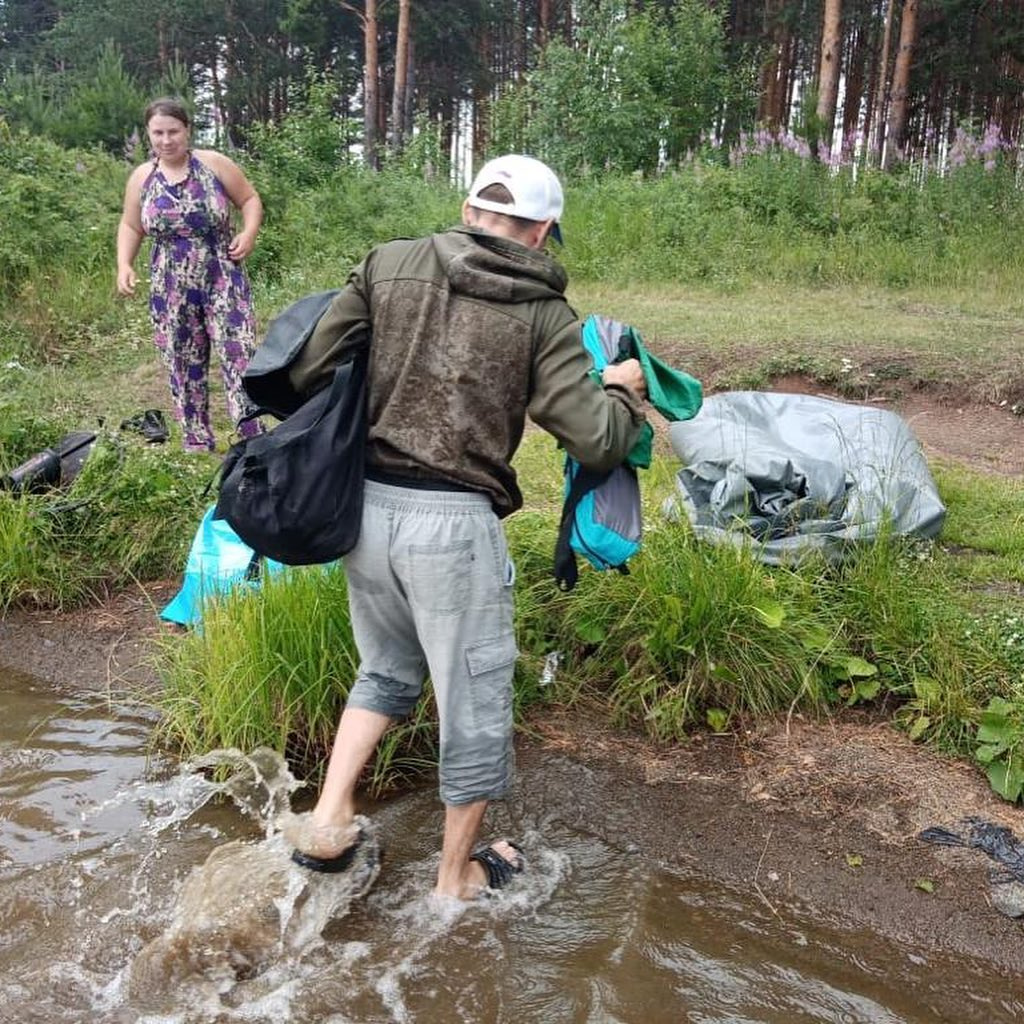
column 470, row 333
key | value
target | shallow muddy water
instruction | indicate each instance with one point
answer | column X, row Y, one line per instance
column 98, row 843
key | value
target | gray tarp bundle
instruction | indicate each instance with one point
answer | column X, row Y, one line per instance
column 796, row 474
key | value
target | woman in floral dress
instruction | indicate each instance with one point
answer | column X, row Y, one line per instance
column 199, row 292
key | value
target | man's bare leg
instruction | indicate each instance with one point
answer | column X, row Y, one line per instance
column 359, row 732
column 457, row 875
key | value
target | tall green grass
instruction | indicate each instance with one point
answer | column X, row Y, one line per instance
column 271, row 666
column 778, row 217
column 129, row 515
column 268, row 667
column 696, row 635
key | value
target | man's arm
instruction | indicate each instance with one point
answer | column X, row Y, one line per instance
column 339, row 334
column 598, row 426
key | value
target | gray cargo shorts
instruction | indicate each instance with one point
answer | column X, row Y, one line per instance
column 430, row 592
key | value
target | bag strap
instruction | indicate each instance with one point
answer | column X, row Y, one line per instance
column 254, row 569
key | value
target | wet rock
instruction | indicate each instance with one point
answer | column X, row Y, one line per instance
column 1007, row 896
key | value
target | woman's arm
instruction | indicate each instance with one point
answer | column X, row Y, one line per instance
column 129, row 231
column 240, row 191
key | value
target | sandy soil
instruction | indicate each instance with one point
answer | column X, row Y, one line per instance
column 816, row 818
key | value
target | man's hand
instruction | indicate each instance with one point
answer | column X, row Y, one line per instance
column 627, row 374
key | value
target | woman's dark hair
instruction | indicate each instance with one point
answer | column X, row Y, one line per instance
column 169, row 107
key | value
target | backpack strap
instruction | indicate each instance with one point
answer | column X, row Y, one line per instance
column 583, row 481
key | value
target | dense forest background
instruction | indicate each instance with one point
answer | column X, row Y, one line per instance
column 592, row 85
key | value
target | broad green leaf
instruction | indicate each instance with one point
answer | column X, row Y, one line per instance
column 987, row 753
column 849, row 666
column 994, row 729
column 1000, row 706
column 925, row 884
column 858, row 668
column 920, row 727
column 867, row 689
column 591, row 632
column 1007, row 781
column 927, row 689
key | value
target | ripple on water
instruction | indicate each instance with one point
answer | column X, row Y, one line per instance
column 102, row 847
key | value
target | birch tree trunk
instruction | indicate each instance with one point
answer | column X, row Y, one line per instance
column 897, row 126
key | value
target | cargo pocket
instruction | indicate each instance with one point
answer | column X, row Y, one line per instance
column 490, row 664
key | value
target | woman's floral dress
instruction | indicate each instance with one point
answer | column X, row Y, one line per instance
column 199, row 297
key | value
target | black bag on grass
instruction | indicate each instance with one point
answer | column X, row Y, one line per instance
column 295, row 493
column 56, row 466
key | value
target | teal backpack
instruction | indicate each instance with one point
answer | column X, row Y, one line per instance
column 601, row 513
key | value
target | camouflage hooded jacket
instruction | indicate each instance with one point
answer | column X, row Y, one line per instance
column 470, row 334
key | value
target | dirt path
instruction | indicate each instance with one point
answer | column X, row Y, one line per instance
column 817, row 819
column 984, row 437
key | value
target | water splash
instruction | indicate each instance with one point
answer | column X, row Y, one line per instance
column 248, row 906
column 245, row 908
column 260, row 783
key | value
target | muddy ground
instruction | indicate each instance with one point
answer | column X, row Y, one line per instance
column 815, row 819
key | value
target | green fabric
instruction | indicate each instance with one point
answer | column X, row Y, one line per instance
column 674, row 393
column 640, row 454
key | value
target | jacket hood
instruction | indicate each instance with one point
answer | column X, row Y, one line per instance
column 487, row 266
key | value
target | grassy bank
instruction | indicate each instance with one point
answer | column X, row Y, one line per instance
column 696, row 637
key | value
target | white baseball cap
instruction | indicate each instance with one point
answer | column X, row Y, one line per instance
column 536, row 191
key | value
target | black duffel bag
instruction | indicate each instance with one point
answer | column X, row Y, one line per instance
column 295, row 493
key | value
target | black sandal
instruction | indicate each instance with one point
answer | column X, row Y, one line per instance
column 499, row 871
column 329, row 865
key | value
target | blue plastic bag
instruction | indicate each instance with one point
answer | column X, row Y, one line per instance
column 218, row 561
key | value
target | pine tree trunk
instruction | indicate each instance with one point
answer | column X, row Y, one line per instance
column 163, row 59
column 772, row 85
column 787, row 81
column 881, row 84
column 370, row 94
column 219, row 115
column 481, row 99
column 401, row 78
column 896, row 129
column 409, row 112
column 854, row 88
column 828, row 76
